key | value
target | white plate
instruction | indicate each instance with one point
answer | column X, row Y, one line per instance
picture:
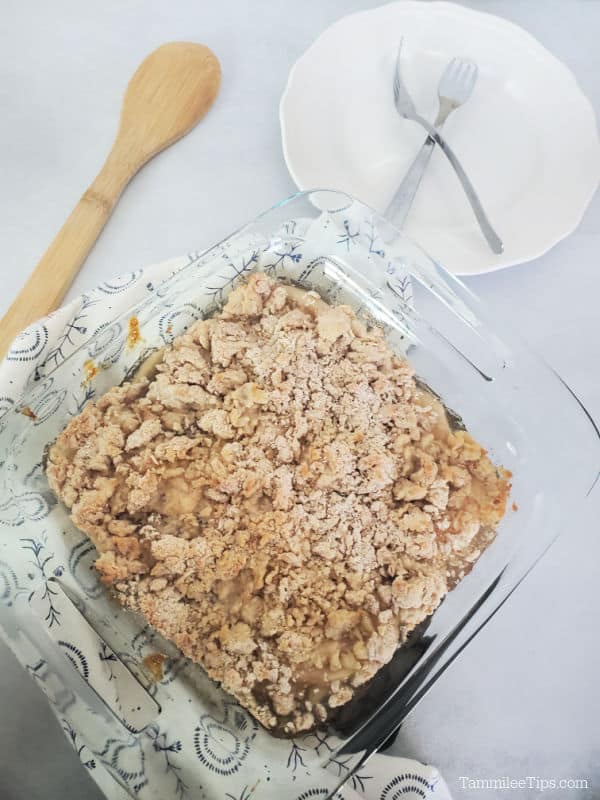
column 527, row 137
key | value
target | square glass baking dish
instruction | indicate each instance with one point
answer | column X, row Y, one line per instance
column 176, row 734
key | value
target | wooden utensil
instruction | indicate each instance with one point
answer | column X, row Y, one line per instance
column 170, row 92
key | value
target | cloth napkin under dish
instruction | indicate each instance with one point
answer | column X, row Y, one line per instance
column 382, row 777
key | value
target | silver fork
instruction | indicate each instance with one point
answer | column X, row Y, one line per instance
column 406, row 109
column 454, row 89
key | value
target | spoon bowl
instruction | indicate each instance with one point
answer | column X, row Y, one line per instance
column 168, row 95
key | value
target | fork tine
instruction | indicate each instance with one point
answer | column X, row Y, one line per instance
column 399, row 50
column 397, row 66
column 402, row 98
column 458, row 80
column 471, row 73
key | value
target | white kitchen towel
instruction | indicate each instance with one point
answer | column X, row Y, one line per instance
column 393, row 778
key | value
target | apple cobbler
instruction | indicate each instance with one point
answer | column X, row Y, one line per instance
column 281, row 499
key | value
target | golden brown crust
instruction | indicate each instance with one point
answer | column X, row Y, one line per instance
column 282, row 501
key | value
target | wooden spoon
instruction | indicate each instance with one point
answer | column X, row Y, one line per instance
column 171, row 91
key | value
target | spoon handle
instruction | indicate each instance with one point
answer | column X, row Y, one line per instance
column 52, row 277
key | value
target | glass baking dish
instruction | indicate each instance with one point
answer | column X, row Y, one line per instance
column 174, row 733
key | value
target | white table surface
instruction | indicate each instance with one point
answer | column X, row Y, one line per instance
column 524, row 700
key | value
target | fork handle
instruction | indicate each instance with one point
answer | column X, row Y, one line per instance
column 490, row 234
column 402, row 201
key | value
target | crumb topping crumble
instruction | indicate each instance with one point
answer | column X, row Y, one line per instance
column 281, row 500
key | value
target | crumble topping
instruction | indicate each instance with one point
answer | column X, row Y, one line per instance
column 281, row 500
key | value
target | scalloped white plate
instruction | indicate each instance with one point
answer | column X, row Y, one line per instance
column 527, row 136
